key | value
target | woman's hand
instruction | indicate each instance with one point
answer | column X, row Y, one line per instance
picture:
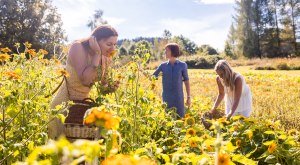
column 94, row 45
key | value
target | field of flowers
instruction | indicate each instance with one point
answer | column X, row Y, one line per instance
column 133, row 120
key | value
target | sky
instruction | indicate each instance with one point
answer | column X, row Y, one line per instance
column 202, row 21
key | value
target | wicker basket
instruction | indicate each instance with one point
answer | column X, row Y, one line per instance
column 208, row 116
column 79, row 131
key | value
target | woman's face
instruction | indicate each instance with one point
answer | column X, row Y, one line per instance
column 108, row 45
column 168, row 53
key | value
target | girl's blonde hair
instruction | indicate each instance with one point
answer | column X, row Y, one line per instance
column 228, row 73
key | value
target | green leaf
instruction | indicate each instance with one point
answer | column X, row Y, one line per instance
column 270, row 159
column 269, row 132
column 243, row 160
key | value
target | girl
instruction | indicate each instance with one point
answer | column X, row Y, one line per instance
column 174, row 73
column 237, row 93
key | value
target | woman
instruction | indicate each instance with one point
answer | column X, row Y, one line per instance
column 84, row 58
column 237, row 93
column 174, row 73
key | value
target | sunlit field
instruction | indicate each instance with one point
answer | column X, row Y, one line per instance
column 276, row 94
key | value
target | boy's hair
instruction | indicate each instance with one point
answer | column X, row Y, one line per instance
column 174, row 47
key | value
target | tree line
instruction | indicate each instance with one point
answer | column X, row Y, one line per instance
column 264, row 28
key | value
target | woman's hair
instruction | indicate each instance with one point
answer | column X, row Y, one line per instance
column 101, row 32
column 228, row 73
column 175, row 51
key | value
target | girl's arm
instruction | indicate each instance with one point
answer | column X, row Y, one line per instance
column 188, row 93
column 157, row 71
column 187, row 84
column 237, row 95
column 220, row 95
column 78, row 58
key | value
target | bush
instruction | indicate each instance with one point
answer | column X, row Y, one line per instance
column 283, row 66
column 204, row 62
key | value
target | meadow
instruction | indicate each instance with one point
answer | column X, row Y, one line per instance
column 137, row 129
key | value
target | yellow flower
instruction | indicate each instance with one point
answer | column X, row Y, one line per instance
column 223, row 159
column 112, row 123
column 249, row 133
column 98, row 114
column 272, row 147
column 292, row 132
column 31, row 52
column 27, row 44
column 189, row 121
column 63, row 72
column 238, row 143
column 113, row 53
column 191, row 132
column 90, row 119
column 5, row 50
column 12, row 75
column 193, row 142
column 4, row 57
column 42, row 51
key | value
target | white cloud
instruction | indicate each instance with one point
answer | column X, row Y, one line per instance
column 208, row 2
column 201, row 31
column 114, row 21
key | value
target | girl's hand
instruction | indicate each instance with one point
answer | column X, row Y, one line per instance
column 94, row 45
column 188, row 101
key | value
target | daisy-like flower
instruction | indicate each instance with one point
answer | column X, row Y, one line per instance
column 189, row 121
column 5, row 50
column 31, row 52
column 223, row 159
column 272, row 147
column 191, row 132
column 193, row 142
column 63, row 72
column 42, row 51
column 27, row 44
column 4, row 57
column 13, row 75
column 113, row 53
column 238, row 143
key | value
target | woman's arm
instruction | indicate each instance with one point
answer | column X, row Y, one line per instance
column 220, row 95
column 237, row 95
column 78, row 58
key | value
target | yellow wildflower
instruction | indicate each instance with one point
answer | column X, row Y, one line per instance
column 223, row 159
column 191, row 132
column 189, row 121
column 42, row 51
column 5, row 50
column 12, row 75
column 272, row 147
column 63, row 72
column 238, row 143
column 31, row 52
column 193, row 142
column 27, row 45
column 4, row 57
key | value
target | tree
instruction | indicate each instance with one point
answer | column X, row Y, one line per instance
column 36, row 22
column 122, row 51
column 207, row 48
column 187, row 45
column 96, row 20
column 167, row 35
